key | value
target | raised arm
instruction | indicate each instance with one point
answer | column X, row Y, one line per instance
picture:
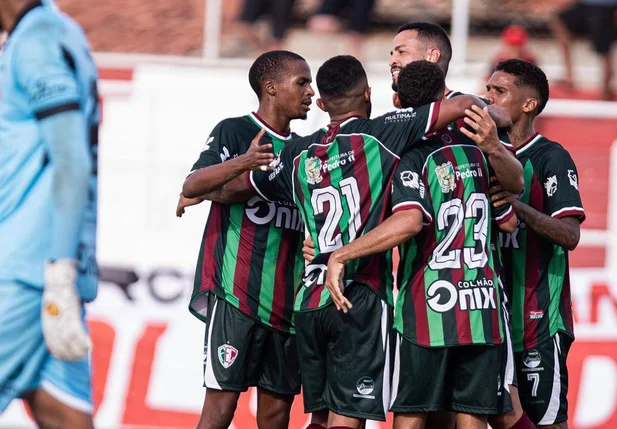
column 508, row 169
column 205, row 180
column 455, row 108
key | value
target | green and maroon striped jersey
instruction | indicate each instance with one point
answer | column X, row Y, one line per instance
column 536, row 269
column 251, row 252
column 448, row 288
column 341, row 181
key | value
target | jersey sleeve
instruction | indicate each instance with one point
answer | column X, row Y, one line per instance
column 402, row 129
column 277, row 184
column 560, row 182
column 221, row 145
column 46, row 72
column 408, row 188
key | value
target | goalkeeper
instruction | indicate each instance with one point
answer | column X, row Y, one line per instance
column 49, row 114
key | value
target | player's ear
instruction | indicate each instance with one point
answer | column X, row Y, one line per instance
column 530, row 105
column 270, row 88
column 433, row 55
column 321, row 105
column 367, row 94
column 396, row 101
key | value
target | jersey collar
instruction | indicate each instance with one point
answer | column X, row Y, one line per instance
column 533, row 140
column 260, row 122
column 24, row 12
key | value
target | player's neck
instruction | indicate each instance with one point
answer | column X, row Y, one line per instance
column 521, row 132
column 273, row 119
column 12, row 12
column 446, row 93
column 339, row 118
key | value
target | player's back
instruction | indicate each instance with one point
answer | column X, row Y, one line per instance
column 45, row 69
column 342, row 185
column 446, row 276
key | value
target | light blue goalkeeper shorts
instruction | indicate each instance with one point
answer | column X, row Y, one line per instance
column 25, row 361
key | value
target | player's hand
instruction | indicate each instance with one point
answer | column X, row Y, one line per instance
column 334, row 283
column 308, row 249
column 61, row 313
column 186, row 202
column 486, row 130
column 499, row 197
column 258, row 157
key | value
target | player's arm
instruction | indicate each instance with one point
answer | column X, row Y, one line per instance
column 562, row 222
column 410, row 208
column 565, row 232
column 508, row 169
column 209, row 173
column 458, row 107
column 52, row 91
column 395, row 230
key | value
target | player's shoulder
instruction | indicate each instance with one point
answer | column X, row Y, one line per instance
column 545, row 149
column 237, row 125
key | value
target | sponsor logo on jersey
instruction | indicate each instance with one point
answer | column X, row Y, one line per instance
column 226, row 155
column 365, row 387
column 400, row 115
column 314, row 274
column 536, row 314
column 227, row 355
column 313, row 170
column 44, row 90
column 573, row 179
column 442, row 296
column 532, row 358
column 551, row 186
column 283, row 214
column 412, row 180
column 446, row 177
column 277, row 166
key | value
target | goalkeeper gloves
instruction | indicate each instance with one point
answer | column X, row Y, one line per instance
column 61, row 313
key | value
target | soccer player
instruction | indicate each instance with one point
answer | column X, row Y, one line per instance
column 49, row 115
column 423, row 40
column 448, row 314
column 340, row 185
column 250, row 259
column 426, row 41
column 536, row 254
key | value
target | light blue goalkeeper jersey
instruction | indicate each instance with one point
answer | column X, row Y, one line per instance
column 45, row 69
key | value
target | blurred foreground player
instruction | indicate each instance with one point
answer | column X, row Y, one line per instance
column 49, row 116
column 536, row 254
column 250, row 261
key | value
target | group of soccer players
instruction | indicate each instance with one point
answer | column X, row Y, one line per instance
column 483, row 219
column 433, row 177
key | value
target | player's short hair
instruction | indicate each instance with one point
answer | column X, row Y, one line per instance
column 529, row 75
column 435, row 35
column 339, row 76
column 270, row 66
column 419, row 83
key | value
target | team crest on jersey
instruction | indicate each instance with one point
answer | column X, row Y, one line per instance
column 446, row 177
column 227, row 355
column 313, row 170
column 551, row 186
column 573, row 179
